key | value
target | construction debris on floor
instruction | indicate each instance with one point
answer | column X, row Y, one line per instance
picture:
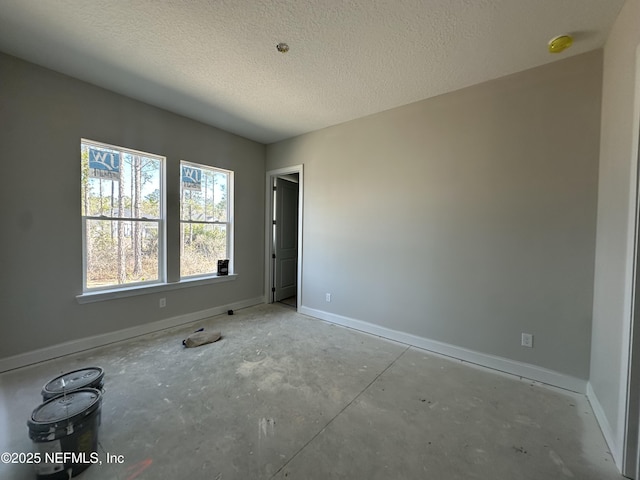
column 200, row 337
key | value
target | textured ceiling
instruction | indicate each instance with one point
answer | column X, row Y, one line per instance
column 216, row 60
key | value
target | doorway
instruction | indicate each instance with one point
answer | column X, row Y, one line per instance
column 283, row 270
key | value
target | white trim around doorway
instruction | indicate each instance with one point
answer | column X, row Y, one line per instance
column 268, row 269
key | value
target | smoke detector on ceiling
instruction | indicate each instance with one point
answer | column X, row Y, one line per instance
column 560, row 43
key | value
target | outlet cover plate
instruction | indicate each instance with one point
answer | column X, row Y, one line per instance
column 527, row 340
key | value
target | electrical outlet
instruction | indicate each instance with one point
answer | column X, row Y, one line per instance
column 527, row 340
column 327, row 297
column 163, row 302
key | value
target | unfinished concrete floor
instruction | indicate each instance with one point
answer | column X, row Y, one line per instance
column 285, row 396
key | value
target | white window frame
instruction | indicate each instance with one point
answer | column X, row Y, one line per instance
column 229, row 223
column 161, row 221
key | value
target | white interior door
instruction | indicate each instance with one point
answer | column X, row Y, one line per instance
column 286, row 239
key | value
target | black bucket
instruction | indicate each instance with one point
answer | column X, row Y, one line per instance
column 64, row 430
column 92, row 377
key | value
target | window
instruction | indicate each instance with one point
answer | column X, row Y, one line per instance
column 124, row 222
column 206, row 225
column 122, row 216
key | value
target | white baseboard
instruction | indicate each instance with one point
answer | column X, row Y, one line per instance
column 513, row 367
column 75, row 346
column 605, row 426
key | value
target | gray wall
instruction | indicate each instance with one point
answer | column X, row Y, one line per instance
column 43, row 115
column 466, row 218
column 616, row 206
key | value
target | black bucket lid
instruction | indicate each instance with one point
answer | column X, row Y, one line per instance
column 74, row 380
column 65, row 409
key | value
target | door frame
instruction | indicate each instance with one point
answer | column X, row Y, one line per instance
column 268, row 237
column 631, row 409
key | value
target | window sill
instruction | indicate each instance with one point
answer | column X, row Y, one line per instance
column 99, row 296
